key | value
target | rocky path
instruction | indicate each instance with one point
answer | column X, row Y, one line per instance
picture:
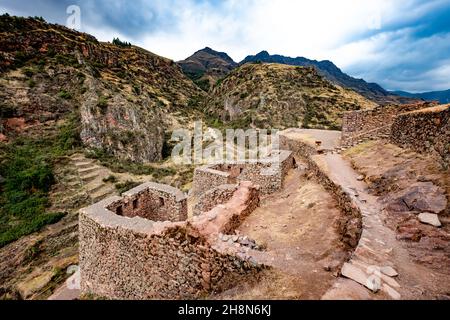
column 380, row 262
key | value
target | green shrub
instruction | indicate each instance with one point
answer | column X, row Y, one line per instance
column 122, row 44
column 28, row 72
column 102, row 103
column 137, row 89
column 67, row 60
column 20, row 58
column 203, row 84
column 111, row 179
column 31, row 83
column 63, row 94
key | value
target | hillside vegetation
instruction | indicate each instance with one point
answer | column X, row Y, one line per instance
column 274, row 95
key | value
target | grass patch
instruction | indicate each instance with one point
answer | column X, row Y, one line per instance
column 26, row 166
column 126, row 186
column 124, row 166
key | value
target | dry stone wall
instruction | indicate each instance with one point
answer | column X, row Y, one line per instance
column 373, row 123
column 154, row 202
column 135, row 258
column 424, row 131
column 269, row 174
column 207, row 178
column 213, row 198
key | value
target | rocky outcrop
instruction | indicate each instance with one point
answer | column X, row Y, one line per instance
column 419, row 197
column 131, row 131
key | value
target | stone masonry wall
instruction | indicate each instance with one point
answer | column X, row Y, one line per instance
column 424, row 131
column 373, row 123
column 135, row 258
column 154, row 202
column 269, row 174
column 349, row 225
column 213, row 198
column 206, row 178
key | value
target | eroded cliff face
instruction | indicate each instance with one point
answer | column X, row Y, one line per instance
column 129, row 130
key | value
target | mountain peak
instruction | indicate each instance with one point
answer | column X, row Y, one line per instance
column 263, row 53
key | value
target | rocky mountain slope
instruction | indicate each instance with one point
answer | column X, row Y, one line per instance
column 207, row 66
column 331, row 72
column 441, row 96
column 124, row 95
column 275, row 95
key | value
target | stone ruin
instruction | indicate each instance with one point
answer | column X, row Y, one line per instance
column 374, row 123
column 143, row 245
column 423, row 127
column 268, row 174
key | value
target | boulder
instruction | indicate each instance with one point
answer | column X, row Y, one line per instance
column 389, row 271
column 352, row 272
column 419, row 197
column 430, row 218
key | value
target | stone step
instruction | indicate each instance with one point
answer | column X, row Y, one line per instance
column 102, row 194
column 89, row 178
column 78, row 157
column 72, row 179
column 88, row 170
column 74, row 183
column 83, row 164
column 96, row 186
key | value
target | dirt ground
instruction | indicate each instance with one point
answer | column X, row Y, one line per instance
column 297, row 226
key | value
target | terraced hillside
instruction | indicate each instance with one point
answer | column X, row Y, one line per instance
column 275, row 95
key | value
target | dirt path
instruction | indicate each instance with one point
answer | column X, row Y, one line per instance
column 297, row 227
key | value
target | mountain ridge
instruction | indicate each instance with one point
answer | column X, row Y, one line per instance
column 441, row 96
column 330, row 71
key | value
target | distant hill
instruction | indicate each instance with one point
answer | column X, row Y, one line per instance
column 441, row 96
column 207, row 66
column 331, row 72
column 268, row 95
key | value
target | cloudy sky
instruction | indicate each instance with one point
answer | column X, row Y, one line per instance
column 400, row 44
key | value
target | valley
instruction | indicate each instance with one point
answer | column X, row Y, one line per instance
column 86, row 128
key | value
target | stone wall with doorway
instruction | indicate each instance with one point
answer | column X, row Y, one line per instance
column 269, row 173
column 152, row 201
